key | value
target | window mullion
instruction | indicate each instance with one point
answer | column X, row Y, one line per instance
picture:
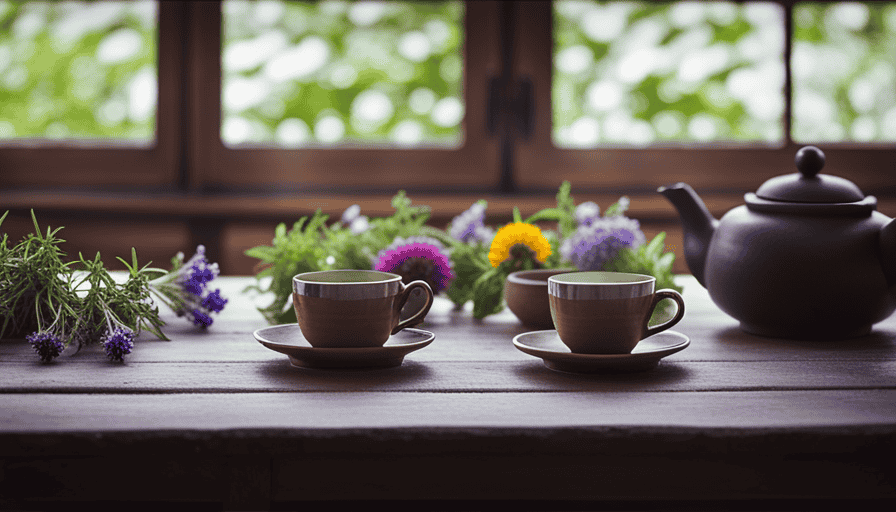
column 788, row 73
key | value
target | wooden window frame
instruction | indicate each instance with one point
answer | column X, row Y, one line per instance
column 474, row 165
column 504, row 41
column 115, row 165
column 539, row 165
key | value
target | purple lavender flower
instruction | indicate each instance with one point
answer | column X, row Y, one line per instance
column 186, row 288
column 200, row 318
column 46, row 344
column 196, row 273
column 586, row 213
column 591, row 247
column 469, row 226
column 214, row 302
column 414, row 260
column 118, row 343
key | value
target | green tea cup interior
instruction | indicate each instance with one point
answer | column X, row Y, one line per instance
column 606, row 312
column 354, row 308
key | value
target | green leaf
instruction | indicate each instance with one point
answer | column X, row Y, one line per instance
column 655, row 247
column 488, row 293
column 261, row 252
column 554, row 214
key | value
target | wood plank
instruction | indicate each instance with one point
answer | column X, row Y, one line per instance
column 592, row 478
column 597, row 467
column 704, row 413
column 277, row 375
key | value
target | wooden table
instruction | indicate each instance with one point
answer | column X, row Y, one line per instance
column 215, row 420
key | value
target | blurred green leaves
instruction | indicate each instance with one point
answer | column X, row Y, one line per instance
column 844, row 72
column 340, row 74
column 78, row 70
column 644, row 73
column 299, row 74
column 648, row 73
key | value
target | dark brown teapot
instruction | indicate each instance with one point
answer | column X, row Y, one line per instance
column 807, row 257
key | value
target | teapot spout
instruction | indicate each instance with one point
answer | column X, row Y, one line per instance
column 696, row 221
column 887, row 246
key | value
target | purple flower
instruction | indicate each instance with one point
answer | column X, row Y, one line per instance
column 592, row 246
column 417, row 258
column 186, row 288
column 118, row 343
column 469, row 226
column 214, row 302
column 197, row 272
column 46, row 344
column 200, row 318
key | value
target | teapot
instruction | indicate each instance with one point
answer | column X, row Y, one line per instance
column 807, row 257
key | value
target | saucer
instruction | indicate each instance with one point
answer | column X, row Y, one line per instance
column 287, row 339
column 556, row 355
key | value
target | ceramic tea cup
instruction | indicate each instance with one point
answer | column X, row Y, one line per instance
column 353, row 308
column 526, row 294
column 606, row 312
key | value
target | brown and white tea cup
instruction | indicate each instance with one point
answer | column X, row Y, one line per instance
column 607, row 312
column 353, row 308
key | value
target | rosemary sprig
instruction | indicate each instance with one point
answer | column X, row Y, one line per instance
column 35, row 284
column 53, row 303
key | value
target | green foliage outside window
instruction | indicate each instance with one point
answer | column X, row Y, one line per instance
column 299, row 74
column 78, row 70
column 337, row 73
column 844, row 71
column 643, row 73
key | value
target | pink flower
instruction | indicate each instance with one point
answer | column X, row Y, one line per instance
column 417, row 261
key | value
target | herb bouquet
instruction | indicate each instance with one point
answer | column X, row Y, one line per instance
column 468, row 260
column 53, row 303
column 582, row 240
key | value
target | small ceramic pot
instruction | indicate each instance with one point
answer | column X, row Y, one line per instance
column 526, row 294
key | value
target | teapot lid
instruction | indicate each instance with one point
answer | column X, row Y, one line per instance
column 808, row 186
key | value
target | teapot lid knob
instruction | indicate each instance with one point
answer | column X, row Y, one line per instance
column 809, row 161
column 808, row 185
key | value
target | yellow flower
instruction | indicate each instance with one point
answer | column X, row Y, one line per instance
column 518, row 233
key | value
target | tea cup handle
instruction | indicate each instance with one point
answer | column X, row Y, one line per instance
column 679, row 313
column 403, row 297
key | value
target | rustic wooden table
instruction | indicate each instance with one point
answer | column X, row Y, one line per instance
column 215, row 420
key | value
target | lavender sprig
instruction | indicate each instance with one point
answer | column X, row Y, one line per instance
column 185, row 289
column 46, row 344
column 118, row 343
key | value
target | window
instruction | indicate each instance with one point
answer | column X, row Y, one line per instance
column 334, row 75
column 448, row 97
column 81, row 101
column 347, row 145
column 646, row 74
column 642, row 148
column 79, row 72
column 844, row 72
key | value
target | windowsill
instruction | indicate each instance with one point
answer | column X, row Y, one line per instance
column 256, row 206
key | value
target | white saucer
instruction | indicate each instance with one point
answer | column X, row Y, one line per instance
column 557, row 356
column 287, row 339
